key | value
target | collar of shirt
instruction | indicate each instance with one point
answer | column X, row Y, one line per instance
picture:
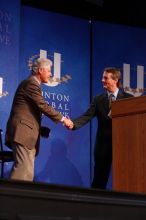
column 114, row 93
column 36, row 79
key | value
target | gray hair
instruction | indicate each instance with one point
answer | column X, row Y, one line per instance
column 40, row 63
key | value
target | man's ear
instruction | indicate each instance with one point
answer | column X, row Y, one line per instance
column 40, row 69
column 116, row 80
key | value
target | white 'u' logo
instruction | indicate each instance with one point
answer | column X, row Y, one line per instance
column 57, row 67
column 140, row 80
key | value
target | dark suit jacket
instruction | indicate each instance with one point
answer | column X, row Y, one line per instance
column 24, row 123
column 100, row 108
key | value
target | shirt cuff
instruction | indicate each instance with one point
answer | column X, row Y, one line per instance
column 62, row 119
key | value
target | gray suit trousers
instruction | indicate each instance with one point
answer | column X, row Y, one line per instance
column 23, row 168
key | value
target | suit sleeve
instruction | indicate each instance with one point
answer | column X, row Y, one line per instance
column 33, row 94
column 86, row 116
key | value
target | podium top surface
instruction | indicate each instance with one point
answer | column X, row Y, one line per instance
column 128, row 106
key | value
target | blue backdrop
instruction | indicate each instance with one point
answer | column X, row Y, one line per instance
column 9, row 56
column 123, row 47
column 65, row 157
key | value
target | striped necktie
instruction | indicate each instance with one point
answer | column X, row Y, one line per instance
column 111, row 99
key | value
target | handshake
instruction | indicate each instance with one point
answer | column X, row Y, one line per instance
column 68, row 123
column 45, row 131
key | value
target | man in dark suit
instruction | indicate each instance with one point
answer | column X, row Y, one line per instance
column 100, row 108
column 24, row 124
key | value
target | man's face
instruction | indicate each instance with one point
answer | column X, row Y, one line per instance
column 45, row 74
column 109, row 83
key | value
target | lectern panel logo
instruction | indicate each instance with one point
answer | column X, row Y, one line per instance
column 57, row 78
column 127, row 75
column 2, row 93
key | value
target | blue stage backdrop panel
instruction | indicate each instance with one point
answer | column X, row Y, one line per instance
column 9, row 56
column 64, row 158
column 123, row 47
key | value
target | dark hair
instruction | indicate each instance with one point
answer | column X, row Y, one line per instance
column 116, row 74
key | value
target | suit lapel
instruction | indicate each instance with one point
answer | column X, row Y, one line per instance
column 120, row 95
column 105, row 102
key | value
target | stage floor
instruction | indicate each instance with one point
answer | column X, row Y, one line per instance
column 38, row 201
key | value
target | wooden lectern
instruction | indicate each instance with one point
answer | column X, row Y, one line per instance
column 129, row 144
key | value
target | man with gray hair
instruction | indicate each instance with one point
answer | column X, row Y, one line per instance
column 24, row 124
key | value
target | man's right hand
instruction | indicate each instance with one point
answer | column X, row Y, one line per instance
column 68, row 123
